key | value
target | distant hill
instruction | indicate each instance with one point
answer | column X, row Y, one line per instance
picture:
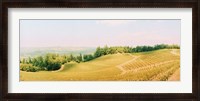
column 40, row 51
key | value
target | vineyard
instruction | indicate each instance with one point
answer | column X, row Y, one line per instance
column 158, row 65
column 152, row 66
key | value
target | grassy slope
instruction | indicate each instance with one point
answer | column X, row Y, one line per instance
column 98, row 69
column 104, row 68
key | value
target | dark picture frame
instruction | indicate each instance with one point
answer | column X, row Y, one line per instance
column 194, row 4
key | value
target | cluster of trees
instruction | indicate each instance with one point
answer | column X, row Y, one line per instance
column 48, row 62
column 51, row 62
column 29, row 68
column 126, row 49
column 156, row 47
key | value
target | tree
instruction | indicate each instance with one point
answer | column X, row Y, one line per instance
column 88, row 57
column 105, row 50
column 23, row 60
column 138, row 49
column 72, row 57
column 79, row 58
column 97, row 53
column 127, row 49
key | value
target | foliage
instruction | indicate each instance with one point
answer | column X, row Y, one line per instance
column 126, row 49
column 88, row 57
column 29, row 68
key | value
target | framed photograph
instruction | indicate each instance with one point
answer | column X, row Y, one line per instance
column 100, row 50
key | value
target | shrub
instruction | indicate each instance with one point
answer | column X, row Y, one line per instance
column 29, row 68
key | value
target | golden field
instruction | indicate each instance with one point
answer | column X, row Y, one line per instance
column 158, row 65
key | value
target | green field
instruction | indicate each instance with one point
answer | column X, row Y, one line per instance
column 158, row 65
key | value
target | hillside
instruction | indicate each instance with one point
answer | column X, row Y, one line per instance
column 158, row 65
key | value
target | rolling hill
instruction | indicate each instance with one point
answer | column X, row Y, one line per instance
column 158, row 65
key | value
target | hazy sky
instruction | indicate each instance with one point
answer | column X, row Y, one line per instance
column 93, row 33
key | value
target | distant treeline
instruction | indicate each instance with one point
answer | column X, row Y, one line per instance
column 126, row 49
column 51, row 62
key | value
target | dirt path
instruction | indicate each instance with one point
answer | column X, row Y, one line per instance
column 157, row 77
column 153, row 65
column 174, row 52
column 61, row 68
column 150, row 66
column 175, row 76
column 141, row 68
column 120, row 66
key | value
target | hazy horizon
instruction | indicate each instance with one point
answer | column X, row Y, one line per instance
column 87, row 46
column 94, row 33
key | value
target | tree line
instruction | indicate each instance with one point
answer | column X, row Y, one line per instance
column 52, row 61
column 126, row 49
column 49, row 62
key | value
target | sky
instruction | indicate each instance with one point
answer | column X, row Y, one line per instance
column 94, row 33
